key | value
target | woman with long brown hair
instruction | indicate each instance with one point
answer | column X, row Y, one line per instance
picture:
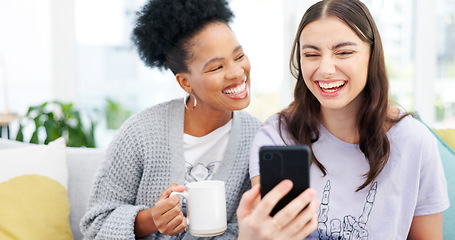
column 376, row 169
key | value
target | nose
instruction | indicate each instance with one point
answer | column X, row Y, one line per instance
column 235, row 71
column 327, row 67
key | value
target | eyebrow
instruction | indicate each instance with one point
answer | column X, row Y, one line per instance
column 220, row 58
column 339, row 45
column 305, row 46
column 344, row 44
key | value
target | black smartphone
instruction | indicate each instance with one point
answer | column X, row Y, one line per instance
column 277, row 163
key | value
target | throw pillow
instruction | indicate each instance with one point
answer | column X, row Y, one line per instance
column 33, row 192
column 448, row 135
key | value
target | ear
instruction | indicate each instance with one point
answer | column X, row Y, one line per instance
column 182, row 79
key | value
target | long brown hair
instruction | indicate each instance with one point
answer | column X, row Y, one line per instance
column 302, row 117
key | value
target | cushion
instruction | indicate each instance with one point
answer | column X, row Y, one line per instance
column 33, row 192
column 448, row 136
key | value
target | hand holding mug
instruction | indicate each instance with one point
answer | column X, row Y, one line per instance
column 167, row 212
column 289, row 223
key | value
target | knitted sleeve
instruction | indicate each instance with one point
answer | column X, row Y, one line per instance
column 112, row 211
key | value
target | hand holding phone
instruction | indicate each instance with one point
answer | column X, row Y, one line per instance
column 277, row 163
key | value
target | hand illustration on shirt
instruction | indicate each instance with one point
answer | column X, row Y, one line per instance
column 351, row 229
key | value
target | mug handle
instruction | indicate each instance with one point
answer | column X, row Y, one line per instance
column 183, row 194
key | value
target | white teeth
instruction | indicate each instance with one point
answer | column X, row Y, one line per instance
column 329, row 90
column 240, row 88
column 327, row 87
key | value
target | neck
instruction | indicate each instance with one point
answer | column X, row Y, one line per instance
column 342, row 127
column 342, row 123
column 199, row 123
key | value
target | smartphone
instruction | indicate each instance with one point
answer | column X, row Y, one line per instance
column 277, row 163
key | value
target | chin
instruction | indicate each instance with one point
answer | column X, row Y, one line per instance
column 242, row 105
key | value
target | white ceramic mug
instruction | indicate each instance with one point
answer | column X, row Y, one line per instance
column 205, row 207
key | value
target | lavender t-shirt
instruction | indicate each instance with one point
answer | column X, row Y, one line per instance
column 411, row 184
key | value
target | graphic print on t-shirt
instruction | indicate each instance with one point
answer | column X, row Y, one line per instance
column 351, row 228
column 199, row 171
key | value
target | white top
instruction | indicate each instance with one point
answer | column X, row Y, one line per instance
column 411, row 184
column 203, row 155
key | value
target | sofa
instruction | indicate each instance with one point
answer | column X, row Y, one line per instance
column 83, row 163
column 446, row 145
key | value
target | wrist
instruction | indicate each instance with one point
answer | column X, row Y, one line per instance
column 144, row 224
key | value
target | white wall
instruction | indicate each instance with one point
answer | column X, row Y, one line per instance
column 425, row 60
column 25, row 53
column 63, row 51
column 38, row 51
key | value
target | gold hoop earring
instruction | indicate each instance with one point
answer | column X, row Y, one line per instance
column 186, row 98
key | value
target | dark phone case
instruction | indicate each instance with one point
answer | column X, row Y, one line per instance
column 277, row 163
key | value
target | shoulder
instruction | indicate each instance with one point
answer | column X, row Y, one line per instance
column 248, row 120
column 408, row 128
column 157, row 112
column 161, row 108
column 413, row 139
column 272, row 124
column 411, row 129
column 152, row 119
column 272, row 120
column 273, row 132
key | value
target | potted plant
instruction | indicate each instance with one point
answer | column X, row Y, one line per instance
column 56, row 119
column 116, row 114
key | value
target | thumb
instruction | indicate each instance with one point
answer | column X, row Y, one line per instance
column 173, row 188
column 246, row 202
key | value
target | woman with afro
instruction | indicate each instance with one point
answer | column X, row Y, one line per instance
column 203, row 136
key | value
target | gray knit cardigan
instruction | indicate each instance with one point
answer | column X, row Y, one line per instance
column 145, row 157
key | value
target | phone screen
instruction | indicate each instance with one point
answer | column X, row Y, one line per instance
column 277, row 163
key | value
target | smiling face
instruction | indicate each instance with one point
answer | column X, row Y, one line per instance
column 334, row 62
column 219, row 71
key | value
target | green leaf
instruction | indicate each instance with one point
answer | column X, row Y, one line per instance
column 20, row 134
column 76, row 137
column 34, row 138
column 52, row 130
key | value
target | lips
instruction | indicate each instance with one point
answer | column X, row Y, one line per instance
column 331, row 87
column 237, row 91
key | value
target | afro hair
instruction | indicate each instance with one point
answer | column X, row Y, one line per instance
column 163, row 25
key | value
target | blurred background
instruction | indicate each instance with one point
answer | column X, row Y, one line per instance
column 79, row 54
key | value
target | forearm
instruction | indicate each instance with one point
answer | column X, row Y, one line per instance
column 110, row 222
column 426, row 227
column 144, row 224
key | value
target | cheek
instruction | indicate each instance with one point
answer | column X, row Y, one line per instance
column 308, row 69
column 246, row 64
column 363, row 64
column 307, row 74
column 360, row 69
column 206, row 84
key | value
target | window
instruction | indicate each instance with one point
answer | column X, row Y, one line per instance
column 38, row 61
column 445, row 81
